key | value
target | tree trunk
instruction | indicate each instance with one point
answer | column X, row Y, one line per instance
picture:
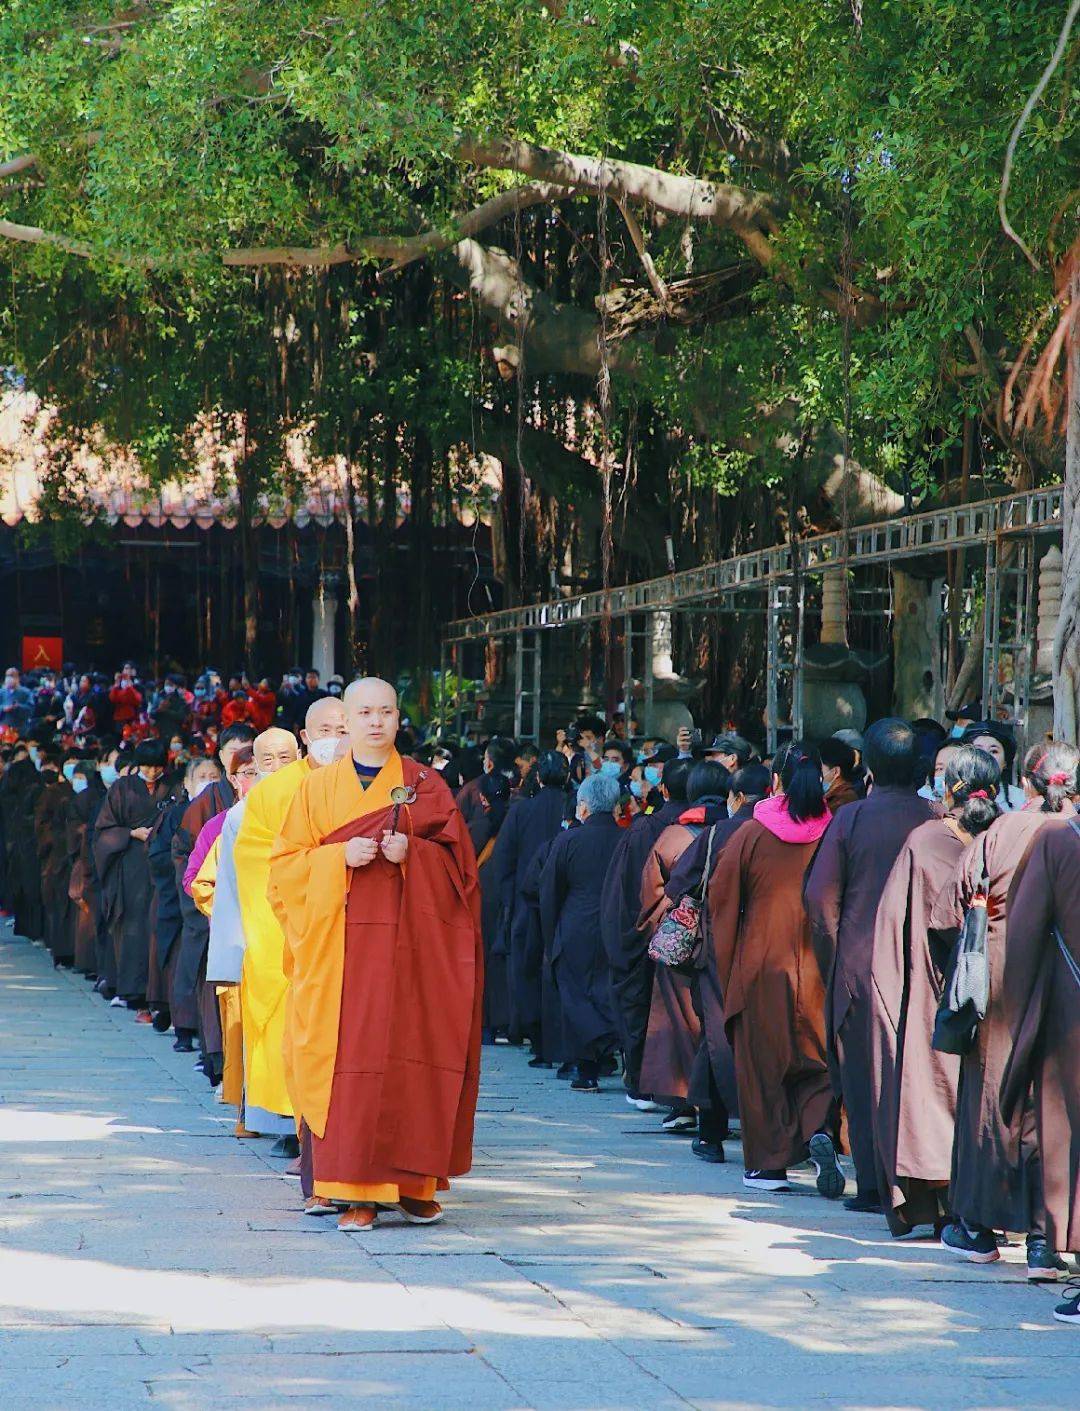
column 1066, row 658
column 249, row 553
column 422, row 548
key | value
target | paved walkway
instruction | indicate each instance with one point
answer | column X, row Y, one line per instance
column 148, row 1258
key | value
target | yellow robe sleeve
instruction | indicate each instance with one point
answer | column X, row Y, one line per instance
column 202, row 888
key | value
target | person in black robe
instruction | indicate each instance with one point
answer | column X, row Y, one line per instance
column 120, row 833
column 166, row 920
column 570, row 898
column 625, row 943
column 19, row 791
column 552, row 1048
column 484, row 827
column 530, row 823
column 713, row 1090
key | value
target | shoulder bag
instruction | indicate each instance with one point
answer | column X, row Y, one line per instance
column 678, row 938
column 964, row 1000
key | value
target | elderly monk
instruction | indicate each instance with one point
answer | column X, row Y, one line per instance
column 263, row 985
column 374, row 877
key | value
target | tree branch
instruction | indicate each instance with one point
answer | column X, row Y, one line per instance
column 1021, row 122
column 749, row 215
column 659, row 288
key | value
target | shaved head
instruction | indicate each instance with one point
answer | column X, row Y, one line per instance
column 369, row 688
column 371, row 706
column 274, row 749
column 324, row 717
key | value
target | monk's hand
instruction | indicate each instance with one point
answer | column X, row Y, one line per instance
column 394, row 846
column 360, row 851
column 141, row 834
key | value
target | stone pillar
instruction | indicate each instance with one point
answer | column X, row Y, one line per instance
column 918, row 690
column 834, row 608
column 663, row 666
column 1050, row 568
column 324, row 613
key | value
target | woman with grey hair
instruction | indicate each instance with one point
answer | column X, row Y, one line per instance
column 570, row 888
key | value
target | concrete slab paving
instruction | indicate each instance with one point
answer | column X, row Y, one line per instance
column 589, row 1263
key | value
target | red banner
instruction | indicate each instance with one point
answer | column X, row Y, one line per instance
column 41, row 653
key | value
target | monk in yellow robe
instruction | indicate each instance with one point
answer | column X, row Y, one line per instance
column 263, row 984
column 374, row 877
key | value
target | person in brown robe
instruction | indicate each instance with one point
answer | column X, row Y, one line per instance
column 626, row 945
column 996, row 1176
column 1040, row 993
column 51, row 840
column 842, row 890
column 912, row 1086
column 88, row 792
column 774, row 996
column 712, row 1088
column 673, row 1036
column 838, row 765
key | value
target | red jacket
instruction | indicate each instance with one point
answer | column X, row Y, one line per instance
column 262, row 708
column 126, row 704
column 235, row 713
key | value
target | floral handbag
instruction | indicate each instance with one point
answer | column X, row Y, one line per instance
column 678, row 938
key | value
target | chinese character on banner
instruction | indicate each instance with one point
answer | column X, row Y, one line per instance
column 42, row 653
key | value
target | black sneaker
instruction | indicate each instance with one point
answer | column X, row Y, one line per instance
column 831, row 1181
column 540, row 1063
column 1044, row 1265
column 766, row 1180
column 979, row 1246
column 566, row 1070
column 1069, row 1311
column 682, row 1120
column 864, row 1203
column 184, row 1045
column 585, row 1085
column 708, row 1151
column 289, row 1147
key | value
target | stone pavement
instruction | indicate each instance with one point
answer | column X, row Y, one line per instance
column 148, row 1258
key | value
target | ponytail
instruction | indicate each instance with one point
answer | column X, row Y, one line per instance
column 1053, row 775
column 800, row 778
column 972, row 779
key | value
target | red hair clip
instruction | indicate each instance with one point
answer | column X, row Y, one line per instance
column 1058, row 779
column 978, row 794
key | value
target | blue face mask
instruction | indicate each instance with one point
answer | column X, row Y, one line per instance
column 109, row 775
column 641, row 756
column 637, row 788
column 957, row 732
column 611, row 767
column 79, row 783
column 937, row 786
column 652, row 775
column 69, row 770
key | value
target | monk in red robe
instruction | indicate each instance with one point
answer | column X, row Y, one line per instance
column 374, row 880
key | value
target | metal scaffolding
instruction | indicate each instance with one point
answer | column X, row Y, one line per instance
column 774, row 580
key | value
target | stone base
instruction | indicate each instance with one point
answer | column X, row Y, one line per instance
column 829, row 706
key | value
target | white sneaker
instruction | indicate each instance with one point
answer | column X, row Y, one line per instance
column 117, row 1003
column 643, row 1104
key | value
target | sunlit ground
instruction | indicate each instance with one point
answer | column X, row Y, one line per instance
column 588, row 1262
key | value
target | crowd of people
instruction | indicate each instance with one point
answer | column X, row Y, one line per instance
column 335, row 914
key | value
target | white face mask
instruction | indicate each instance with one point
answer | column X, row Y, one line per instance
column 195, row 790
column 324, row 751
